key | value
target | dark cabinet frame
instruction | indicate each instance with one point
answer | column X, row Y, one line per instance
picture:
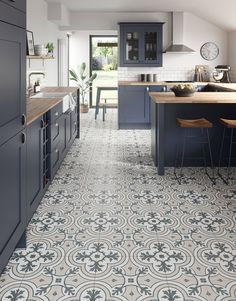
column 140, row 28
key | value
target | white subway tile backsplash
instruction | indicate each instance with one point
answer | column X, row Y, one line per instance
column 174, row 73
column 164, row 73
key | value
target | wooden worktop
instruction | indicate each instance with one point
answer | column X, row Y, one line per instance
column 198, row 97
column 225, row 86
column 36, row 107
column 161, row 83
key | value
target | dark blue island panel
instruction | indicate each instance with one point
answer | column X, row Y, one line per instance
column 166, row 135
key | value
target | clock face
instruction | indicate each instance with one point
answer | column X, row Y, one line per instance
column 209, row 51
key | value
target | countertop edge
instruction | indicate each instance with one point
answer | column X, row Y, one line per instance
column 48, row 103
column 226, row 86
column 198, row 98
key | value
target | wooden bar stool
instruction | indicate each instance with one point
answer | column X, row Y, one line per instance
column 204, row 125
column 228, row 124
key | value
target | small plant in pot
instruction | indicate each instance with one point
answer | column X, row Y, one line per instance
column 50, row 48
column 84, row 83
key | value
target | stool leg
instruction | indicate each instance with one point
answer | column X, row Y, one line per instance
column 183, row 152
column 103, row 112
column 178, row 178
column 211, row 158
column 105, row 101
column 221, row 151
column 230, row 153
column 204, row 152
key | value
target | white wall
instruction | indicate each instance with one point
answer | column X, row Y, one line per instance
column 232, row 55
column 175, row 66
column 44, row 31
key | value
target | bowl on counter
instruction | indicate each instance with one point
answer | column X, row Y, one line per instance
column 183, row 90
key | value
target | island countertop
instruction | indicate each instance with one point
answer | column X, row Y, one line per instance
column 36, row 107
column 221, row 86
column 198, row 97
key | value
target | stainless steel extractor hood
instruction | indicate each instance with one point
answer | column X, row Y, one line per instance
column 177, row 30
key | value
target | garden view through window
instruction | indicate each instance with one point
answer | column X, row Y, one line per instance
column 104, row 61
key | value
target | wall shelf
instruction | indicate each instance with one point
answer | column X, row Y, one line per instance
column 38, row 57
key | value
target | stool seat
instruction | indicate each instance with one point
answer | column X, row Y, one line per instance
column 231, row 124
column 194, row 123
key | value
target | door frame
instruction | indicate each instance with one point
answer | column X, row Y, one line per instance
column 90, row 59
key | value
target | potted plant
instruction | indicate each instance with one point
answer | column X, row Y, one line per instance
column 84, row 83
column 50, row 48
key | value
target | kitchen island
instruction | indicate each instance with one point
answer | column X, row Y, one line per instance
column 165, row 135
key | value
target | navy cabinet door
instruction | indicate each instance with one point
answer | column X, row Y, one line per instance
column 12, row 83
column 11, row 15
column 131, row 45
column 34, row 165
column 152, row 45
column 19, row 4
column 12, row 195
column 132, row 105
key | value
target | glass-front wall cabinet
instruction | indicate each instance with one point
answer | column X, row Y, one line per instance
column 140, row 44
column 150, row 46
column 132, row 49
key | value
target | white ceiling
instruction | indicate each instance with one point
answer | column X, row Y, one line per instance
column 219, row 12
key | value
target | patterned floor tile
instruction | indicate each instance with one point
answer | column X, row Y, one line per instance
column 110, row 229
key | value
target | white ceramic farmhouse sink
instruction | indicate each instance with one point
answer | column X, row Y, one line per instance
column 50, row 95
column 66, row 98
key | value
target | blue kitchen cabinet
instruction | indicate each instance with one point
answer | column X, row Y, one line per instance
column 12, row 83
column 13, row 206
column 140, row 44
column 13, row 12
column 36, row 164
column 134, row 106
column 19, row 4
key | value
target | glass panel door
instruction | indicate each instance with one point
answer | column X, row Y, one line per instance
column 132, row 48
column 104, row 62
column 150, row 46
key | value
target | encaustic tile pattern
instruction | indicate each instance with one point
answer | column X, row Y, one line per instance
column 110, row 229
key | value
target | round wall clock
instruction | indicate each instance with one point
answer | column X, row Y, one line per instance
column 209, row 51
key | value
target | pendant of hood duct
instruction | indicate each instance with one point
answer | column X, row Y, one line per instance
column 177, row 30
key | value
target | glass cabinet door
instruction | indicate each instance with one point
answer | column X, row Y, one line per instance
column 132, row 46
column 150, row 46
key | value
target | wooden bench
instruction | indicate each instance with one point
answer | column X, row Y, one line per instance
column 104, row 105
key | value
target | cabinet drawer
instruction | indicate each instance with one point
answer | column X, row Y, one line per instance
column 55, row 133
column 55, row 156
column 11, row 15
column 55, row 112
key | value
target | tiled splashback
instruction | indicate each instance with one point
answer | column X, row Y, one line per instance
column 165, row 73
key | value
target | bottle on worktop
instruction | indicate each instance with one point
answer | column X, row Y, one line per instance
column 36, row 87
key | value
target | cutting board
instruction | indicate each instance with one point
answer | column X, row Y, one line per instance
column 202, row 73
